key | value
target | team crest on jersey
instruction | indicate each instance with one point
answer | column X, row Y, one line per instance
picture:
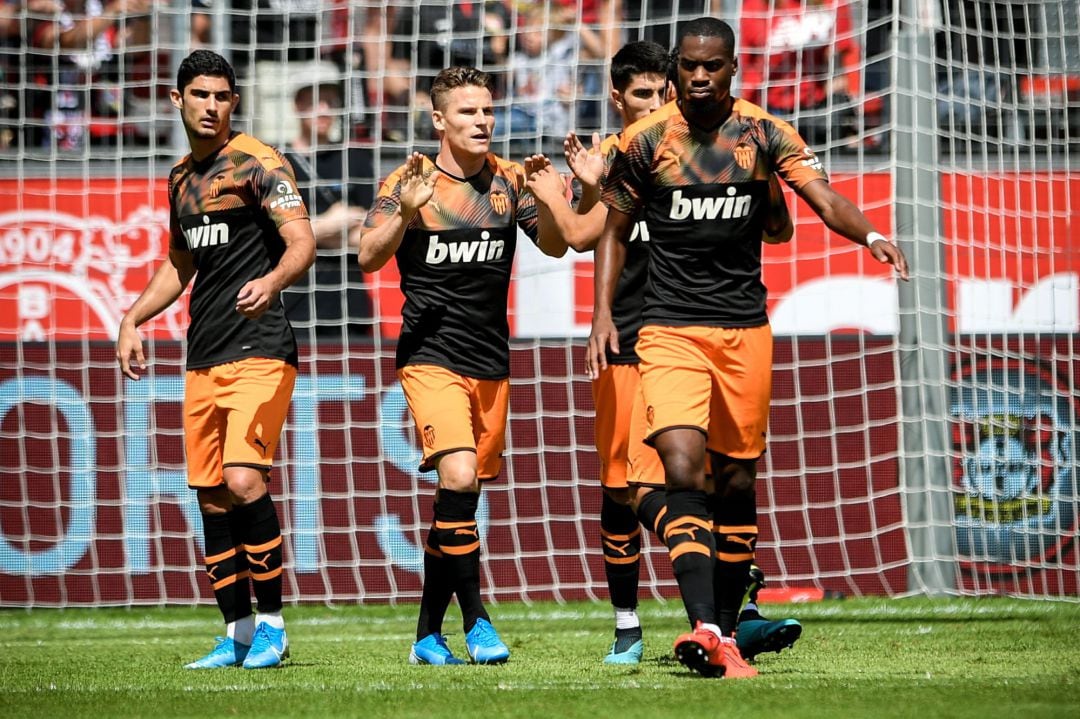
column 744, row 156
column 215, row 186
column 429, row 436
column 500, row 202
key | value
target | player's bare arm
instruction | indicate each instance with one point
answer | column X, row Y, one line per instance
column 556, row 219
column 841, row 215
column 168, row 283
column 553, row 213
column 378, row 244
column 256, row 296
column 587, row 164
column 778, row 225
column 610, row 259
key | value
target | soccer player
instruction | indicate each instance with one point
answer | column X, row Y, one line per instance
column 452, row 225
column 700, row 169
column 631, row 473
column 240, row 229
column 638, row 81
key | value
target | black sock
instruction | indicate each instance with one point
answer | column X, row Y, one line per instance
column 438, row 588
column 459, row 542
column 226, row 567
column 261, row 531
column 690, row 546
column 736, row 538
column 621, row 540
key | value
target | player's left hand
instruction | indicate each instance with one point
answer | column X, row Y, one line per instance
column 255, row 297
column 587, row 163
column 886, row 252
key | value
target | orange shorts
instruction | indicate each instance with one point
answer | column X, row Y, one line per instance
column 454, row 413
column 620, row 430
column 233, row 414
column 718, row 380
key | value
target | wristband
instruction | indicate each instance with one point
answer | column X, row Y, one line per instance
column 873, row 237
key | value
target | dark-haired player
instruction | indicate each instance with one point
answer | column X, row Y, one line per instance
column 240, row 229
column 700, row 169
column 632, row 475
column 452, row 225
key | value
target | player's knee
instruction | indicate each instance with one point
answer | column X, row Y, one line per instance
column 682, row 471
column 734, row 476
column 245, row 484
column 457, row 472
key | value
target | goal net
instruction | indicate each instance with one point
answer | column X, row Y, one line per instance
column 922, row 435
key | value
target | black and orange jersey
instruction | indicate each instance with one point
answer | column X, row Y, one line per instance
column 226, row 210
column 630, row 287
column 455, row 261
column 705, row 195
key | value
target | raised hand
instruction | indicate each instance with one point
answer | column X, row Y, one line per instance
column 544, row 181
column 416, row 189
column 587, row 163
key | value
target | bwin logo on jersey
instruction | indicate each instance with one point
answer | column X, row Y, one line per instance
column 207, row 235
column 710, row 208
column 483, row 250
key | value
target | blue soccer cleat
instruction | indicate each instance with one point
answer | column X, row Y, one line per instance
column 484, row 645
column 760, row 635
column 227, row 653
column 268, row 648
column 432, row 649
column 627, row 647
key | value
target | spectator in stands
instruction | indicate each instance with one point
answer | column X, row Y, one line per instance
column 544, row 75
column 337, row 183
column 598, row 24
column 657, row 20
column 268, row 35
column 73, row 64
column 13, row 15
column 202, row 25
column 468, row 33
column 801, row 60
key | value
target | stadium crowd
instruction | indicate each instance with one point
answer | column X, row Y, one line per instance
column 80, row 74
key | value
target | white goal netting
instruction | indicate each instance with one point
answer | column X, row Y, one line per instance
column 923, row 434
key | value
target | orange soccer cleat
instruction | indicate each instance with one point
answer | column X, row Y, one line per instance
column 711, row 655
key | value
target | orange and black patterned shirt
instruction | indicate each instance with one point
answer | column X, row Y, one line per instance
column 455, row 261
column 706, row 198
column 226, row 210
column 629, row 297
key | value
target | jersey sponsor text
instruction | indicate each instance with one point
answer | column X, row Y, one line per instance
column 710, row 208
column 483, row 250
column 207, row 235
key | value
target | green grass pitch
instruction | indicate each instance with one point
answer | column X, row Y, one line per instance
column 857, row 658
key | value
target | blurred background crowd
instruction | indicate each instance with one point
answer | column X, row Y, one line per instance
column 76, row 75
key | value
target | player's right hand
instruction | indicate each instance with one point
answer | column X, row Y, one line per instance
column 543, row 180
column 603, row 336
column 128, row 345
column 416, row 189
